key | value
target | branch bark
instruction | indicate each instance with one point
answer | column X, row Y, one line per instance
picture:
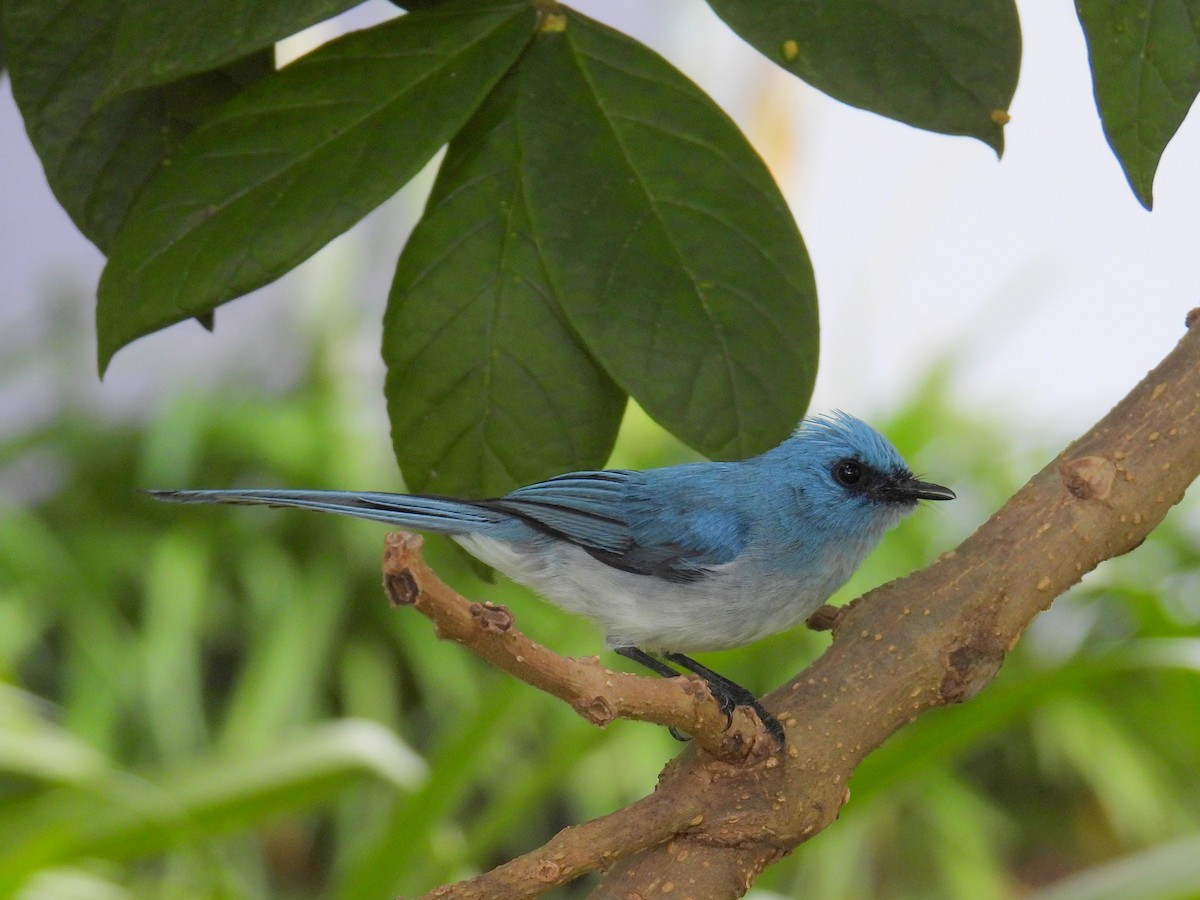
column 596, row 693
column 933, row 638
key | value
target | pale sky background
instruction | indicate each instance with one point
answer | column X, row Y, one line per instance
column 1053, row 287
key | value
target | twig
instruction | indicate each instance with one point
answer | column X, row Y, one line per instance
column 580, row 849
column 596, row 693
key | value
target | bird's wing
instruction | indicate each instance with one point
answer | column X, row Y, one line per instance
column 585, row 508
column 629, row 522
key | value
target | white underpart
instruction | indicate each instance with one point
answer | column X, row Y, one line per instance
column 738, row 603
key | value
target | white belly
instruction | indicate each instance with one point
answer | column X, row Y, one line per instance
column 726, row 609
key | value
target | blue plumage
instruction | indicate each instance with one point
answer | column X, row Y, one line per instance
column 692, row 557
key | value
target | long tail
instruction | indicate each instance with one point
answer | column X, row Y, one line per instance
column 442, row 515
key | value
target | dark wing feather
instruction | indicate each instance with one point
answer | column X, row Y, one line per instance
column 649, row 523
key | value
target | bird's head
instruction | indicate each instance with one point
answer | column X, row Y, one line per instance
column 847, row 468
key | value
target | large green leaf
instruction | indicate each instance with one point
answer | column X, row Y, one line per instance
column 488, row 388
column 943, row 65
column 298, row 159
column 666, row 242
column 1145, row 57
column 97, row 158
column 164, row 40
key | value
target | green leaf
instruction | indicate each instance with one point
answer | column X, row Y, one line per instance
column 165, row 40
column 942, row 734
column 667, row 244
column 412, row 825
column 1165, row 871
column 1145, row 57
column 298, row 159
column 487, row 387
column 97, row 159
column 36, row 748
column 942, row 65
column 121, row 818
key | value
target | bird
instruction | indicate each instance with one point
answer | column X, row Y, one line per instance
column 676, row 560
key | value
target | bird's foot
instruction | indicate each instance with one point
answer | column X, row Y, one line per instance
column 730, row 695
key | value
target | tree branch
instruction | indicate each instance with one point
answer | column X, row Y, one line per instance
column 580, row 849
column 596, row 693
column 934, row 638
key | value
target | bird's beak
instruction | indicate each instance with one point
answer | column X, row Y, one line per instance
column 909, row 490
column 912, row 489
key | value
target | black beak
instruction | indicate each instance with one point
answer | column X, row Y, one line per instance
column 907, row 489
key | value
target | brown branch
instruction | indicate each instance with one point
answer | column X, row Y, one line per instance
column 596, row 693
column 580, row 849
column 934, row 638
column 940, row 635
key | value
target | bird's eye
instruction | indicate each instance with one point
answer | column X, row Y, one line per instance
column 847, row 472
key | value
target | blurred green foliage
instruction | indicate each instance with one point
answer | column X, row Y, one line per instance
column 220, row 703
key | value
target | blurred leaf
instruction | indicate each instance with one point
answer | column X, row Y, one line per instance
column 942, row 65
column 163, row 40
column 940, row 734
column 683, row 273
column 410, row 828
column 368, row 687
column 1170, row 871
column 32, row 747
column 124, row 819
column 298, row 159
column 1145, row 60
column 508, row 810
column 97, row 158
column 1080, row 735
column 177, row 586
column 77, row 884
column 488, row 388
column 294, row 614
column 964, row 849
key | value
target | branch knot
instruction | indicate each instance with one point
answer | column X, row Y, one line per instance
column 402, row 589
column 1089, row 477
column 596, row 710
column 491, row 617
column 968, row 668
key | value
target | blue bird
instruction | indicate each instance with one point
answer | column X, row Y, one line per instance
column 694, row 557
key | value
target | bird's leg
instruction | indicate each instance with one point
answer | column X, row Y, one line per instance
column 643, row 658
column 730, row 694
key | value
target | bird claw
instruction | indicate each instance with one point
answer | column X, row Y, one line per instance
column 771, row 724
column 730, row 696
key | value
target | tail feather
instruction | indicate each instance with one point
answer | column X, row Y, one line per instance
column 441, row 515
